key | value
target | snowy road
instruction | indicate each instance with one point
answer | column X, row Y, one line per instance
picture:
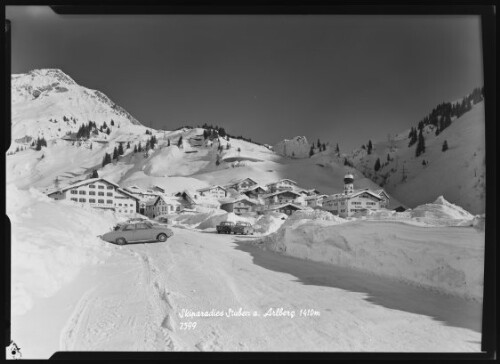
column 136, row 300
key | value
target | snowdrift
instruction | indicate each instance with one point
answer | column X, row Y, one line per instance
column 444, row 258
column 269, row 223
column 51, row 242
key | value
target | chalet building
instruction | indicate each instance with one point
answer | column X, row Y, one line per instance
column 254, row 191
column 217, row 192
column 242, row 184
column 311, row 192
column 286, row 208
column 384, row 203
column 143, row 195
column 240, row 206
column 98, row 193
column 186, row 200
column 162, row 205
column 281, row 197
column 351, row 201
column 283, row 184
column 315, row 201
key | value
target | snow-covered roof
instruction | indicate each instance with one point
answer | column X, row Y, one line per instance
column 210, row 188
column 252, row 188
column 127, row 193
column 315, row 197
column 354, row 194
column 86, row 182
column 236, row 181
column 276, row 207
column 281, row 180
column 167, row 199
column 279, row 193
column 238, row 199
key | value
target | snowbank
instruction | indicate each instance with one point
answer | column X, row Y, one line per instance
column 447, row 259
column 269, row 223
column 51, row 242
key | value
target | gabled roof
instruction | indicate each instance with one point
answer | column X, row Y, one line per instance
column 365, row 191
column 254, row 188
column 210, row 188
column 238, row 200
column 281, row 180
column 167, row 200
column 235, row 182
column 279, row 193
column 128, row 194
column 315, row 197
column 276, row 207
column 85, row 182
column 381, row 191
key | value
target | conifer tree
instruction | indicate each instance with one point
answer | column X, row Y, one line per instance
column 370, row 147
column 311, row 151
column 445, row 146
column 112, row 122
column 135, row 148
column 179, row 143
column 108, row 131
column 120, row 149
column 115, row 153
column 420, row 144
column 377, row 165
column 94, row 174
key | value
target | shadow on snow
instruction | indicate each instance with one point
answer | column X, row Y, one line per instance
column 387, row 292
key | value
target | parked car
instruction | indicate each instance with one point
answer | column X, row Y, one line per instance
column 137, row 232
column 162, row 220
column 243, row 228
column 225, row 227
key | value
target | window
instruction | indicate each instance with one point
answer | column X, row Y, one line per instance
column 109, row 194
column 109, row 201
column 92, row 200
column 82, row 192
column 101, row 187
column 74, row 192
column 92, row 193
column 74, row 199
column 100, row 201
column 91, row 186
column 110, row 187
column 100, row 193
column 82, row 200
column 119, row 204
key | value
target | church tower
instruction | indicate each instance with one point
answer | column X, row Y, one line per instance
column 348, row 184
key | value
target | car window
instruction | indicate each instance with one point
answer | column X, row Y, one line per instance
column 128, row 227
column 141, row 226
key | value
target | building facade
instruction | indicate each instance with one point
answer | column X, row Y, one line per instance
column 216, row 192
column 351, row 201
column 99, row 193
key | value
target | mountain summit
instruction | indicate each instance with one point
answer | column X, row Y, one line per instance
column 49, row 101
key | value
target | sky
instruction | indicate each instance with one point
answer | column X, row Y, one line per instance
column 340, row 78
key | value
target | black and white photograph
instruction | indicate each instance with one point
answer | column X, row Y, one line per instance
column 309, row 183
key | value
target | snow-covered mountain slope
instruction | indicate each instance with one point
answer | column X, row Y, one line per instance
column 49, row 103
column 458, row 173
column 297, row 147
column 42, row 98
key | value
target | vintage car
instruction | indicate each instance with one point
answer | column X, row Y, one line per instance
column 243, row 228
column 137, row 232
column 225, row 227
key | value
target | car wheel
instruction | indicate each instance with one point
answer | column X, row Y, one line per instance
column 162, row 237
column 121, row 241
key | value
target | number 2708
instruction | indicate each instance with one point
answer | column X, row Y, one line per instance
column 188, row 325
